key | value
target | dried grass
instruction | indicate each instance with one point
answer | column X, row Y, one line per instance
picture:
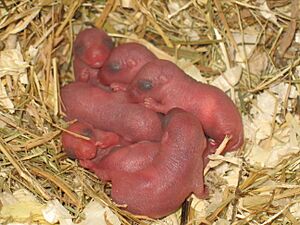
column 213, row 36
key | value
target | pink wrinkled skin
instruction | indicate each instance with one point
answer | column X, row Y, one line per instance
column 127, row 159
column 110, row 111
column 160, row 85
column 175, row 172
column 92, row 46
column 123, row 63
column 79, row 148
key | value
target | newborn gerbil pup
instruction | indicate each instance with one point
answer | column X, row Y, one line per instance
column 110, row 111
column 161, row 86
column 175, row 172
column 123, row 63
column 130, row 158
column 92, row 46
column 79, row 148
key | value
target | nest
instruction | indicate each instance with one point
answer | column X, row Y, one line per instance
column 249, row 49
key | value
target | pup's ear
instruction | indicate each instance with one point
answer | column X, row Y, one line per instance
column 163, row 79
column 131, row 63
